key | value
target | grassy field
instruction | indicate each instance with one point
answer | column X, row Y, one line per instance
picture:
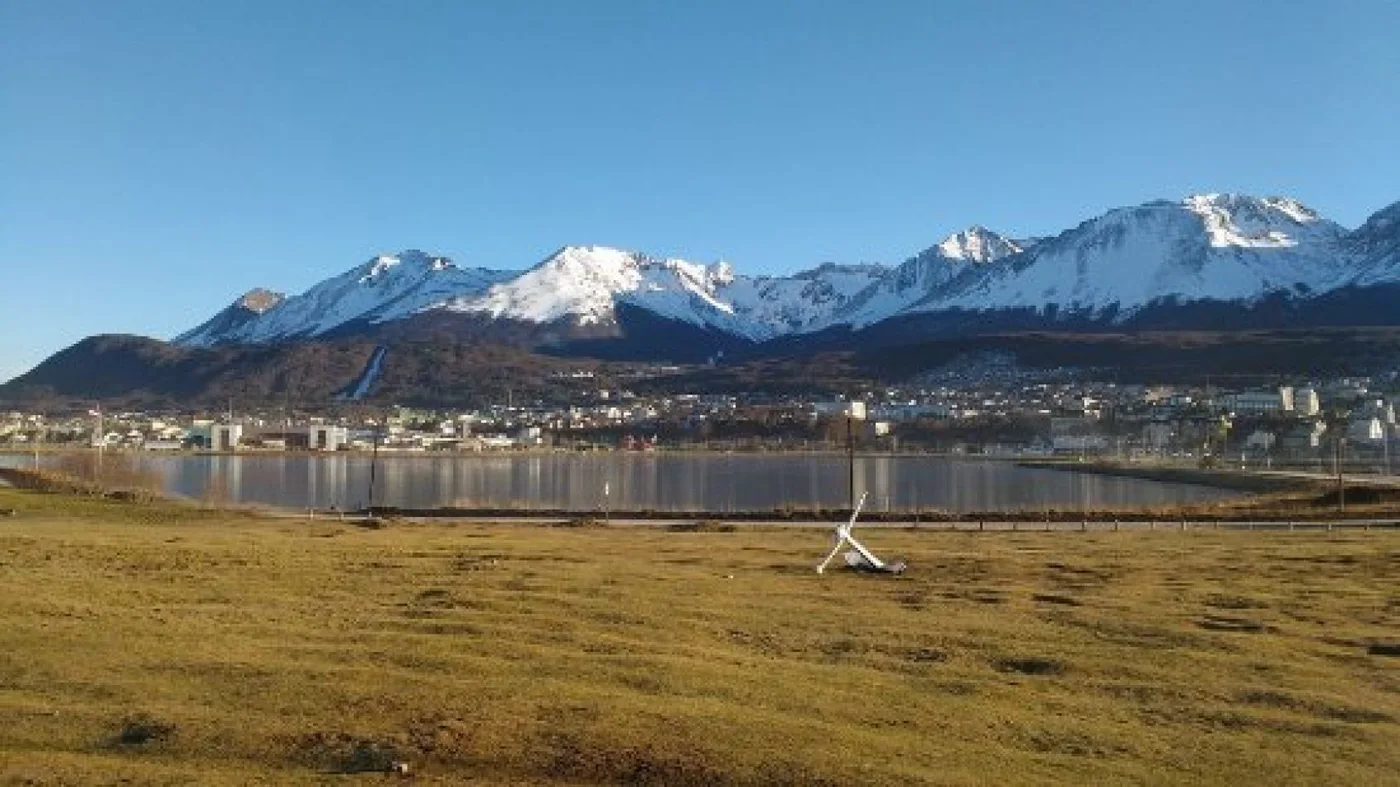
column 160, row 644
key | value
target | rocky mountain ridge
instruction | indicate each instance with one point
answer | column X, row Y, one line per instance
column 1205, row 249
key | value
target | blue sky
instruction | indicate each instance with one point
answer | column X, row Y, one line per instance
column 159, row 158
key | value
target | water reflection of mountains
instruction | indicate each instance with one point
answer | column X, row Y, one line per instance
column 657, row 482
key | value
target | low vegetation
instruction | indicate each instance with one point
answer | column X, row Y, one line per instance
column 163, row 643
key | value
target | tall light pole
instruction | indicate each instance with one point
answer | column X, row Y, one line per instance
column 1337, row 462
column 373, row 466
column 99, row 437
column 851, row 456
column 1385, row 444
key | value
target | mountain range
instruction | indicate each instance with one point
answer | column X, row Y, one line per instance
column 1186, row 263
column 415, row 325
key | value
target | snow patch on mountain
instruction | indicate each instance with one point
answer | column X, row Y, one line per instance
column 920, row 277
column 583, row 283
column 976, row 244
column 778, row 305
column 1207, row 247
column 388, row 287
column 586, row 283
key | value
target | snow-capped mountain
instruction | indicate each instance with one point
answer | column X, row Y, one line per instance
column 1230, row 252
column 586, row 284
column 779, row 305
column 578, row 286
column 583, row 284
column 386, row 288
column 1213, row 247
column 918, row 277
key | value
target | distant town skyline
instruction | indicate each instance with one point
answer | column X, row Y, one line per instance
column 158, row 158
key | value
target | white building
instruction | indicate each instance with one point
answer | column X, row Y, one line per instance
column 1366, row 430
column 323, row 437
column 225, row 437
column 530, row 435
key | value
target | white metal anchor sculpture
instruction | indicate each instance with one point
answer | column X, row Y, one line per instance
column 859, row 558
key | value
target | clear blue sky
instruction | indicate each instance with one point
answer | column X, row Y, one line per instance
column 159, row 158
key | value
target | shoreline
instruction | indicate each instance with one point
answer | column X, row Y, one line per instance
column 1248, row 481
column 497, row 453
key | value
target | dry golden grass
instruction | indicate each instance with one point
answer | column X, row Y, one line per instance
column 161, row 644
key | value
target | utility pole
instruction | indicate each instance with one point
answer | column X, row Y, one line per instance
column 1337, row 463
column 1385, row 444
column 851, row 456
column 373, row 466
column 101, row 440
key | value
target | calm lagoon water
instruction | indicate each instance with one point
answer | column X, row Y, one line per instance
column 717, row 482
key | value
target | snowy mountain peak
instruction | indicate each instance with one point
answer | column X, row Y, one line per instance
column 585, row 284
column 721, row 274
column 1244, row 221
column 923, row 276
column 1237, row 203
column 387, row 287
column 1221, row 248
column 977, row 244
column 411, row 262
column 379, row 266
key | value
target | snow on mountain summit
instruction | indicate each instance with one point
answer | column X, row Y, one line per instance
column 922, row 276
column 976, row 244
column 586, row 283
column 583, row 283
column 1204, row 247
column 386, row 287
column 804, row 301
column 1256, row 222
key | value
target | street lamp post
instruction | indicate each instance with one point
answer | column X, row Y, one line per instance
column 373, row 468
column 1385, row 444
column 851, row 459
column 1341, row 487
